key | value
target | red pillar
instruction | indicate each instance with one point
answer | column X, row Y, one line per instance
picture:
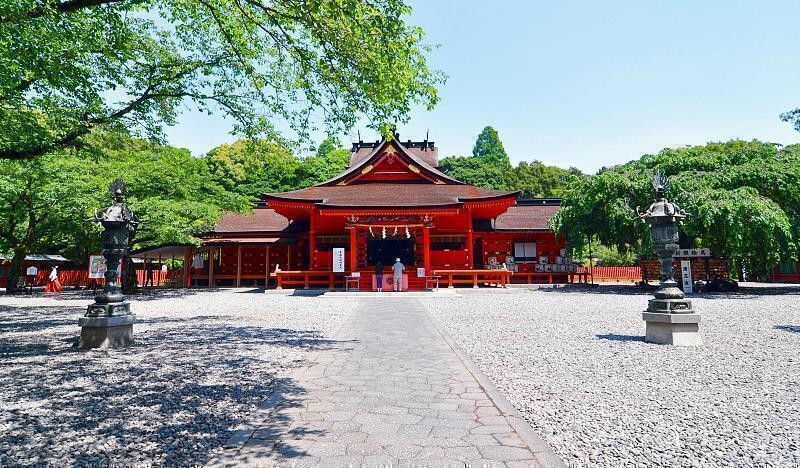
column 353, row 247
column 312, row 243
column 266, row 269
column 211, row 251
column 470, row 263
column 187, row 267
column 426, row 249
column 238, row 265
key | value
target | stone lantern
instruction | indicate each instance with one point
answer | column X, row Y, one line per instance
column 669, row 317
column 108, row 323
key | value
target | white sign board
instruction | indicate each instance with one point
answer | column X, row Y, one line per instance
column 32, row 271
column 338, row 260
column 420, row 272
column 97, row 266
column 683, row 253
column 686, row 276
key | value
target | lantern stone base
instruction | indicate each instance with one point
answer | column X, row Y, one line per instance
column 673, row 329
column 106, row 332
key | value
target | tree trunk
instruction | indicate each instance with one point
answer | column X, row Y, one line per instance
column 129, row 281
column 15, row 271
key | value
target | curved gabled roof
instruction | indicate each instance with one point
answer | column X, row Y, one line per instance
column 378, row 151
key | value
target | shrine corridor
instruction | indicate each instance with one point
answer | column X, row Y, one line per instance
column 391, row 391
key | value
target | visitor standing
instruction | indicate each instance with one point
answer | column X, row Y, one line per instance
column 397, row 271
column 148, row 276
column 379, row 276
column 53, row 285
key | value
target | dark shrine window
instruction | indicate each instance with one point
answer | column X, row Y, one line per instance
column 451, row 242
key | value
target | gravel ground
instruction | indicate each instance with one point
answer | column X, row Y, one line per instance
column 202, row 362
column 576, row 365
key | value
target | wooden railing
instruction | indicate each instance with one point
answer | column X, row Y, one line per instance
column 307, row 279
column 623, row 274
column 474, row 277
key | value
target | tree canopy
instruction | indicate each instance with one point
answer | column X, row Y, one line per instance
column 743, row 198
column 253, row 167
column 43, row 202
column 490, row 167
column 489, row 148
column 71, row 67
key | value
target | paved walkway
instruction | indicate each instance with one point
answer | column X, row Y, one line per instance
column 391, row 392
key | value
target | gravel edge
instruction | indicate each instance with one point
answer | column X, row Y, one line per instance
column 543, row 452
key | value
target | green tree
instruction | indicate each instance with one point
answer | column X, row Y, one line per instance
column 536, row 179
column 330, row 159
column 743, row 197
column 488, row 167
column 46, row 199
column 33, row 198
column 489, row 148
column 476, row 171
column 70, row 67
column 253, row 167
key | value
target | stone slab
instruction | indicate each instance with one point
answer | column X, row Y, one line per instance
column 106, row 332
column 670, row 318
column 672, row 329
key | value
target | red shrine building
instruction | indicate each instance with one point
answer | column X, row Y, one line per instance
column 391, row 202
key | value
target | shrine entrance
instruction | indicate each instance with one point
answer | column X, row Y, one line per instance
column 386, row 251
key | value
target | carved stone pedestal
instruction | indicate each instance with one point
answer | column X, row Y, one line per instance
column 106, row 332
column 681, row 329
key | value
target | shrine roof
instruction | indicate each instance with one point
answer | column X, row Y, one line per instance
column 528, row 215
column 362, row 163
column 260, row 220
column 390, row 195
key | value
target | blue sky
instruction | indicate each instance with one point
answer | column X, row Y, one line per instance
column 589, row 84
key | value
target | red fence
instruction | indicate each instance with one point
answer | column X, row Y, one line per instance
column 81, row 277
column 627, row 274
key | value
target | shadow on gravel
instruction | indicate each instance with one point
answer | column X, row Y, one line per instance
column 35, row 318
column 616, row 337
column 744, row 292
column 309, row 292
column 616, row 289
column 788, row 328
column 171, row 399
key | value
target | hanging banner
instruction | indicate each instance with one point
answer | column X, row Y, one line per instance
column 686, row 276
column 338, row 260
column 97, row 266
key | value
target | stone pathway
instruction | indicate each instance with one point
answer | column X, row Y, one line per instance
column 391, row 392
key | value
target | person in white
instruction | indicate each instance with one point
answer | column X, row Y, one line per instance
column 397, row 273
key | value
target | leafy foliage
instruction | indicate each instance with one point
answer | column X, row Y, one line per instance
column 743, row 197
column 44, row 201
column 475, row 171
column 331, row 159
column 489, row 148
column 490, row 167
column 536, row 179
column 73, row 66
column 253, row 167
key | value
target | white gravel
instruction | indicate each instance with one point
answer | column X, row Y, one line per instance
column 575, row 364
column 202, row 362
